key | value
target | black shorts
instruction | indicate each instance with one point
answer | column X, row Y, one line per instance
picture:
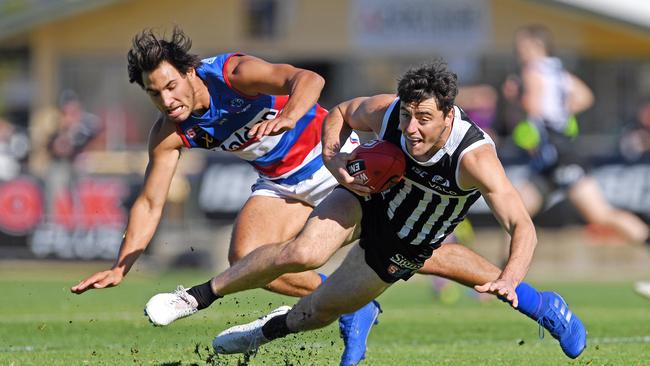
column 561, row 172
column 388, row 255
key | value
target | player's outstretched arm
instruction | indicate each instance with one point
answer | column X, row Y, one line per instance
column 147, row 209
column 251, row 76
column 362, row 114
column 482, row 169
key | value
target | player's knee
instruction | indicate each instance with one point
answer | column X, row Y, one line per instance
column 443, row 260
column 235, row 254
column 433, row 267
column 300, row 258
column 239, row 250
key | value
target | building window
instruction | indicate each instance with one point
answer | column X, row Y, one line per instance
column 262, row 19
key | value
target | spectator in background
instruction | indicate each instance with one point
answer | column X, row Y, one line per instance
column 635, row 142
column 480, row 103
column 14, row 149
column 76, row 128
column 550, row 96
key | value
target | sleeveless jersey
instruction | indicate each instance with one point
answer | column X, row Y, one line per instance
column 554, row 112
column 428, row 204
column 287, row 158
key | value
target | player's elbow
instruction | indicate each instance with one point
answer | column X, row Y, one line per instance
column 317, row 80
column 311, row 79
column 581, row 100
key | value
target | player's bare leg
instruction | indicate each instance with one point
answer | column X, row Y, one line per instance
column 327, row 229
column 270, row 220
column 324, row 234
column 332, row 224
column 588, row 198
column 460, row 264
column 531, row 196
column 349, row 288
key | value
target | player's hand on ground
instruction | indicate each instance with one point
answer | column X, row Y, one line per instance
column 271, row 127
column 501, row 287
column 98, row 280
column 337, row 165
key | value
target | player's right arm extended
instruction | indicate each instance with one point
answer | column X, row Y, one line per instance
column 146, row 210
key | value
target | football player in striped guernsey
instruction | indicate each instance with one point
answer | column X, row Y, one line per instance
column 551, row 96
column 450, row 163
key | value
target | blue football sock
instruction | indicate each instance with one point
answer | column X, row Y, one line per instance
column 530, row 300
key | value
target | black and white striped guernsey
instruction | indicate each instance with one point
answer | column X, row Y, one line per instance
column 426, row 206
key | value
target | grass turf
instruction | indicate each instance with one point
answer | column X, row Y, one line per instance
column 42, row 323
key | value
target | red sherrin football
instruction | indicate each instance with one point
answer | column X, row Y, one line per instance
column 378, row 162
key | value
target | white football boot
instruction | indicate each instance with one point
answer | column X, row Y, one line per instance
column 643, row 288
column 165, row 308
column 245, row 338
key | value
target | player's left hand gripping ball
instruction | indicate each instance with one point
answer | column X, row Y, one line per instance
column 379, row 164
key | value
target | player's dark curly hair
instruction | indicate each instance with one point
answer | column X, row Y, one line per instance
column 432, row 80
column 148, row 51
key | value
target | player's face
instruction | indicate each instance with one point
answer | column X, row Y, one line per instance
column 424, row 127
column 170, row 91
column 528, row 49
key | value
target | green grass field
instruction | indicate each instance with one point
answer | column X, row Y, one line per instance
column 42, row 323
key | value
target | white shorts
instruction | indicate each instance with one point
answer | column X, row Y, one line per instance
column 310, row 191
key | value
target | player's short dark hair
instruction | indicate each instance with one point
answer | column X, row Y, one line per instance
column 539, row 33
column 432, row 80
column 148, row 51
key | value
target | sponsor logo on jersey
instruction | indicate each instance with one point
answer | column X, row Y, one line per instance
column 440, row 180
column 208, row 141
column 237, row 102
column 438, row 183
column 442, row 189
column 238, row 105
column 240, row 138
column 209, row 60
column 191, row 133
column 202, row 138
